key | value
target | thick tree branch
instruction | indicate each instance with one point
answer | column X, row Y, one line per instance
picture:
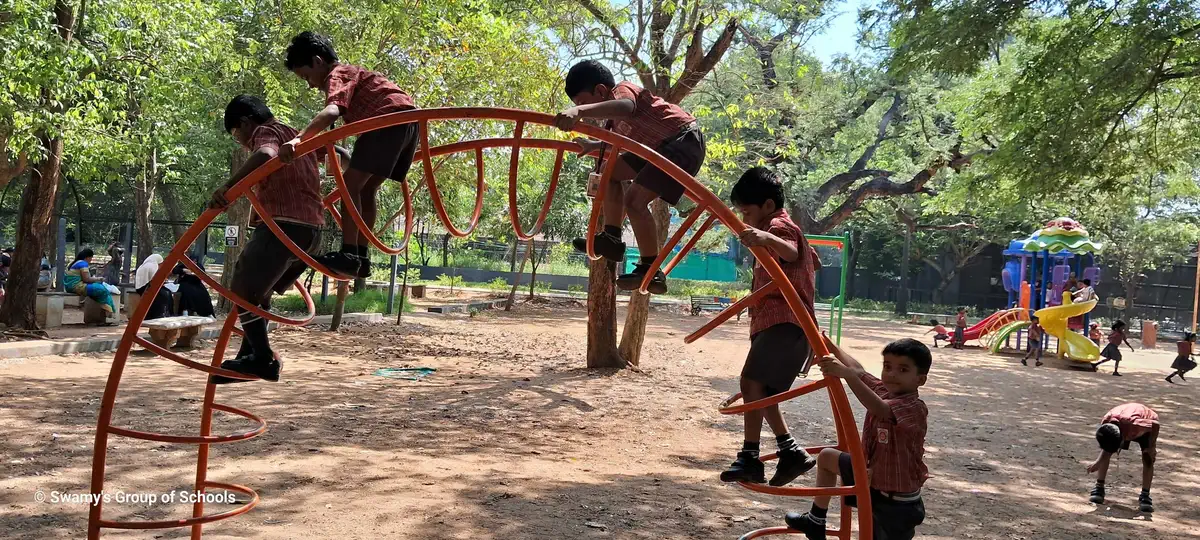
column 695, row 71
column 634, row 60
column 840, row 182
column 880, row 135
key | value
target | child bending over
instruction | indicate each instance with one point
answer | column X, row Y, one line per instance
column 779, row 350
column 939, row 332
column 1131, row 422
column 893, row 439
column 648, row 119
column 352, row 94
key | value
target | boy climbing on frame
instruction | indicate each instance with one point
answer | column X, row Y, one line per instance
column 292, row 196
column 1124, row 424
column 353, row 94
column 893, row 438
column 648, row 119
column 1035, row 343
column 1112, row 351
column 779, row 350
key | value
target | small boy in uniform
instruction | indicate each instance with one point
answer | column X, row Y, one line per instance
column 779, row 350
column 1183, row 361
column 353, row 94
column 292, row 196
column 1131, row 422
column 1094, row 334
column 960, row 326
column 1112, row 351
column 1035, row 343
column 893, row 439
column 939, row 332
column 648, row 119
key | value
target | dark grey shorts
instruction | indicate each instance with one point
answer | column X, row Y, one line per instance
column 266, row 264
column 387, row 152
column 777, row 356
column 686, row 150
column 892, row 519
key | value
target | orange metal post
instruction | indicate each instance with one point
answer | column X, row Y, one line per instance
column 670, row 245
column 690, row 244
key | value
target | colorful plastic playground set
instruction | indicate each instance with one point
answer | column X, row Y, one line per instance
column 1049, row 257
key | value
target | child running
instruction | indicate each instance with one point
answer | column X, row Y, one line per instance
column 1131, row 422
column 648, row 119
column 960, row 327
column 1035, row 343
column 893, row 439
column 1112, row 351
column 779, row 350
column 292, row 195
column 1183, row 362
column 353, row 94
column 939, row 332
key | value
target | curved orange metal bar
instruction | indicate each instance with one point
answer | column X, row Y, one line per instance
column 669, row 246
column 513, row 213
column 436, row 196
column 242, row 303
column 175, row 523
column 690, row 244
column 844, row 420
column 203, row 439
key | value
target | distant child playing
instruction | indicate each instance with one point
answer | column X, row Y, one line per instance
column 648, row 119
column 779, row 350
column 353, row 94
column 1131, row 422
column 1183, row 362
column 1094, row 333
column 960, row 327
column 292, row 196
column 1112, row 351
column 1035, row 343
column 893, row 438
column 939, row 332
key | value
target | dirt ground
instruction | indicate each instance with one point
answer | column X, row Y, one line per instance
column 511, row 438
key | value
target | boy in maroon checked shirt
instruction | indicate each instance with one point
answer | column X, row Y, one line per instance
column 1122, row 425
column 779, row 350
column 648, row 119
column 292, row 196
column 353, row 94
column 893, row 439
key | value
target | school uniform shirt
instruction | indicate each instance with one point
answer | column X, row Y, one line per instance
column 940, row 330
column 773, row 309
column 362, row 94
column 1116, row 337
column 654, row 119
column 1134, row 419
column 1184, row 348
column 1035, row 332
column 961, row 322
column 896, row 448
column 292, row 193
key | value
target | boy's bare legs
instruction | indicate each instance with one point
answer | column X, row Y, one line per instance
column 363, row 187
column 608, row 242
column 812, row 523
column 792, row 461
column 637, row 207
column 1145, row 504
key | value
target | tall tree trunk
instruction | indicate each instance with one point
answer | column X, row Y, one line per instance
column 902, row 297
column 37, row 208
column 534, row 261
column 37, row 202
column 143, row 194
column 238, row 214
column 335, row 322
column 634, row 334
column 516, row 278
column 1131, row 288
column 50, row 249
column 856, row 244
column 170, row 201
column 78, row 215
column 602, row 316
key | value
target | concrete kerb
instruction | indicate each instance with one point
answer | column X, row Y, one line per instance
column 26, row 349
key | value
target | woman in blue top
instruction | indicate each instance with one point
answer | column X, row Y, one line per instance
column 79, row 281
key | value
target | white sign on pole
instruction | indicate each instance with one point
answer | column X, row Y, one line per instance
column 231, row 235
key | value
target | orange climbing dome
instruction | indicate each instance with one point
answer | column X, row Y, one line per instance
column 706, row 201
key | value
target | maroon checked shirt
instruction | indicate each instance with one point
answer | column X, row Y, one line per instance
column 292, row 193
column 362, row 93
column 654, row 119
column 895, row 448
column 773, row 309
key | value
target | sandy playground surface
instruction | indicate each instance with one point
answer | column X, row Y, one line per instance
column 512, row 438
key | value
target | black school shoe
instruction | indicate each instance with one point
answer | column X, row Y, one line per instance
column 791, row 464
column 1097, row 495
column 342, row 263
column 746, row 468
column 250, row 365
column 812, row 528
column 633, row 280
column 606, row 245
column 1145, row 504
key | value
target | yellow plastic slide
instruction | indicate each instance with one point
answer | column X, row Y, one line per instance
column 1076, row 347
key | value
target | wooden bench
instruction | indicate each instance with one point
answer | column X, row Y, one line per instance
column 701, row 304
column 180, row 330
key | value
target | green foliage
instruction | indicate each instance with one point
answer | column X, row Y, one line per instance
column 449, row 281
column 499, row 285
column 368, row 301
